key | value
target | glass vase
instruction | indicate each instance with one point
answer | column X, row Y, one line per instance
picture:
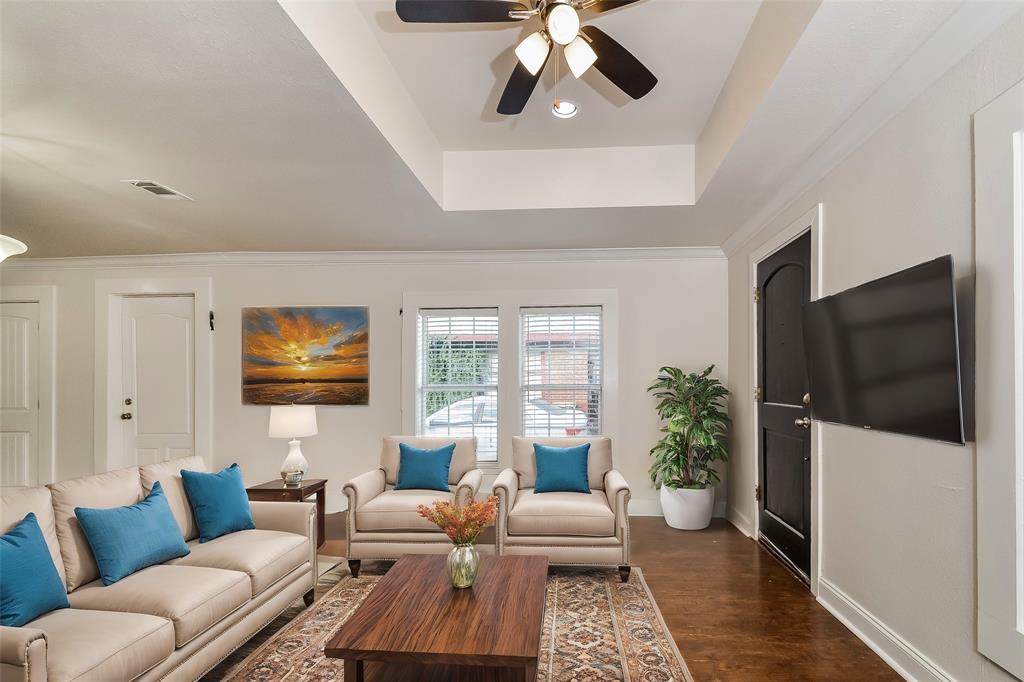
column 463, row 564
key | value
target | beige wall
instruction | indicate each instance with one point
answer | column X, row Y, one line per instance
column 897, row 513
column 670, row 312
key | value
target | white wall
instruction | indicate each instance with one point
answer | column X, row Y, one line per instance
column 897, row 513
column 671, row 311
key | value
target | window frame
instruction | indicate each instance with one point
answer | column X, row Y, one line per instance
column 509, row 303
column 525, row 387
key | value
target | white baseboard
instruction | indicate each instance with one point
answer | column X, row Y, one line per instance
column 653, row 508
column 906, row 660
column 740, row 521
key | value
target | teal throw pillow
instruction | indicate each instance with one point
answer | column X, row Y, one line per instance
column 29, row 583
column 128, row 539
column 218, row 501
column 561, row 470
column 420, row 469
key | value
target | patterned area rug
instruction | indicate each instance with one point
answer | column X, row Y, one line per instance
column 596, row 628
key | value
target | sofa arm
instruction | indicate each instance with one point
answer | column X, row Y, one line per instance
column 617, row 490
column 359, row 491
column 289, row 517
column 506, row 487
column 23, row 654
column 469, row 486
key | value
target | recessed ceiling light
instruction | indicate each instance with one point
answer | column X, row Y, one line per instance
column 565, row 108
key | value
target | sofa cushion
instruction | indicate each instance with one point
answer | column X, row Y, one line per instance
column 127, row 539
column 100, row 646
column 16, row 503
column 265, row 556
column 112, row 489
column 193, row 598
column 168, row 474
column 599, row 460
column 29, row 583
column 580, row 514
column 396, row 510
column 463, row 458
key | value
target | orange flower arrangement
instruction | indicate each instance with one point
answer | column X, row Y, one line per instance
column 462, row 525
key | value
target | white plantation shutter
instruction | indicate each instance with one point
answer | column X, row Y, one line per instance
column 561, row 371
column 457, row 353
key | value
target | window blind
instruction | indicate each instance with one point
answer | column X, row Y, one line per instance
column 458, row 388
column 561, row 352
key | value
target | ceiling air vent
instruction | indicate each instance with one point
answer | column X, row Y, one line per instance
column 159, row 190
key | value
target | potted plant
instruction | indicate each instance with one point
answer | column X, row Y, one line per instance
column 692, row 407
column 463, row 525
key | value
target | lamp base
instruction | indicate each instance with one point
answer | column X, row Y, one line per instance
column 293, row 468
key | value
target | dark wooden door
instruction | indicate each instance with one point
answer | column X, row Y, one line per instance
column 784, row 436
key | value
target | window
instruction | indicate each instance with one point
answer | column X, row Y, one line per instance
column 561, row 371
column 458, row 376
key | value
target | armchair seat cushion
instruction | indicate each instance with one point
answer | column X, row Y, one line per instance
column 396, row 510
column 265, row 556
column 193, row 598
column 565, row 514
column 98, row 646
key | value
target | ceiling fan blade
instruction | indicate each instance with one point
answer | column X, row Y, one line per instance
column 605, row 5
column 619, row 65
column 456, row 11
column 519, row 88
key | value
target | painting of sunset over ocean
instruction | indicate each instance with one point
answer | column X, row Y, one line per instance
column 305, row 355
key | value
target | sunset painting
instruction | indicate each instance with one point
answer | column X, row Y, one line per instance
column 305, row 355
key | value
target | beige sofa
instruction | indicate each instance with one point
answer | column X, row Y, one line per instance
column 570, row 528
column 383, row 523
column 173, row 621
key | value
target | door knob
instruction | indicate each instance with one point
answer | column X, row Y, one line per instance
column 804, row 423
column 126, row 415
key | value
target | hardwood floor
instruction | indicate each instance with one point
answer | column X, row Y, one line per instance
column 735, row 613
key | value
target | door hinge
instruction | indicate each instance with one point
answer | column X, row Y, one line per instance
column 757, row 492
column 211, row 320
column 757, row 393
column 757, row 294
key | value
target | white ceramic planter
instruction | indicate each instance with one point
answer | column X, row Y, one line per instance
column 687, row 509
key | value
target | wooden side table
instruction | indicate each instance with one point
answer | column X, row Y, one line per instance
column 277, row 491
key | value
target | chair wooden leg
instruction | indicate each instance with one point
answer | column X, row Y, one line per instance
column 353, row 566
column 308, row 598
column 624, row 573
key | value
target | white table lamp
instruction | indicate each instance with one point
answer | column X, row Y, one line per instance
column 293, row 421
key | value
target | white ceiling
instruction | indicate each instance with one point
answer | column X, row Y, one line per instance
column 230, row 103
column 456, row 74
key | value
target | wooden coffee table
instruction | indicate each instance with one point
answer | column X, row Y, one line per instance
column 415, row 626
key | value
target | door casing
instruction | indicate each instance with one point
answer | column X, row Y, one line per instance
column 809, row 222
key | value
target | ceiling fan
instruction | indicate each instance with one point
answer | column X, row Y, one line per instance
column 583, row 47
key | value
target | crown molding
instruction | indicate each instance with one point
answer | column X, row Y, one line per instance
column 249, row 258
column 951, row 43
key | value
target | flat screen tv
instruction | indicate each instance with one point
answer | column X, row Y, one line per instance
column 884, row 355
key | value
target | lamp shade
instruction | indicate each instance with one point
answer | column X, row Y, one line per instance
column 580, row 56
column 9, row 246
column 533, row 52
column 292, row 421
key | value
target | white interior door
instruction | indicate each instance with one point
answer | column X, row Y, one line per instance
column 999, row 382
column 19, row 394
column 158, row 378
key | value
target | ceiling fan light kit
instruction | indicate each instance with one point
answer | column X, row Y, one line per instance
column 583, row 47
column 533, row 52
column 579, row 56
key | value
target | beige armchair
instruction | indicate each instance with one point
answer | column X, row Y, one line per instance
column 570, row 528
column 383, row 523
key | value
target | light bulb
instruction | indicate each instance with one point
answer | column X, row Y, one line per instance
column 580, row 56
column 563, row 23
column 533, row 52
column 564, row 108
